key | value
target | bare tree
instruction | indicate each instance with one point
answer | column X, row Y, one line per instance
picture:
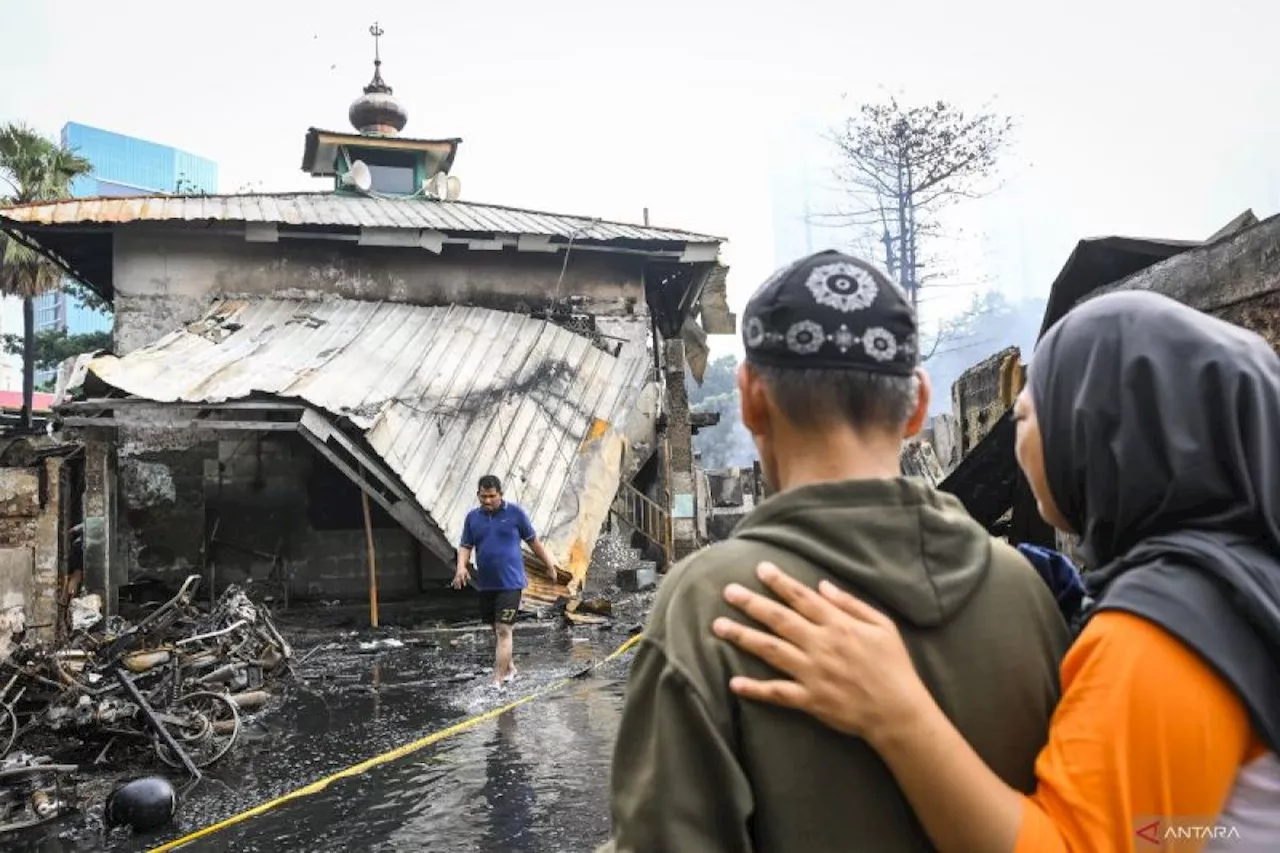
column 901, row 166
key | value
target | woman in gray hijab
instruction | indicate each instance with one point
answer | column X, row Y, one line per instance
column 1152, row 431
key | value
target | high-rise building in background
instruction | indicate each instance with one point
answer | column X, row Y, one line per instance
column 122, row 166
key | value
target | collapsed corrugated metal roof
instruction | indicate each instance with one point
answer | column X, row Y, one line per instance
column 443, row 395
column 325, row 209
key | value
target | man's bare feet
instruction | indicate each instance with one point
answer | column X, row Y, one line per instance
column 511, row 676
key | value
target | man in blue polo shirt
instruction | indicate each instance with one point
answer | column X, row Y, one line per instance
column 494, row 530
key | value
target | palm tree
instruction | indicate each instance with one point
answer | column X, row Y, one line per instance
column 35, row 169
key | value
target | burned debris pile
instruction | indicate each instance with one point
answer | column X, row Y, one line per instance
column 33, row 790
column 173, row 685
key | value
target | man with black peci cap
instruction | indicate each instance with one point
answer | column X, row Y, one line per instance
column 830, row 388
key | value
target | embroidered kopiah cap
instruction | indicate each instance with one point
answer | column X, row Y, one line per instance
column 831, row 311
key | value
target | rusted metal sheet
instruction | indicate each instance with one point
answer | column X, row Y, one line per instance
column 717, row 319
column 443, row 395
column 328, row 209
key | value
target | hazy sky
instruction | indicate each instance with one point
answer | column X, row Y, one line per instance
column 1135, row 117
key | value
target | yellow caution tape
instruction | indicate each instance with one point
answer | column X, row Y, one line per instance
column 392, row 755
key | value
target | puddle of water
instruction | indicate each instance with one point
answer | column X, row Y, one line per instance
column 534, row 779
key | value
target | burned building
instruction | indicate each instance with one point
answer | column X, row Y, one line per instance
column 1233, row 275
column 303, row 384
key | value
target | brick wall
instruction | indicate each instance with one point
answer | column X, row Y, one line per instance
column 29, row 544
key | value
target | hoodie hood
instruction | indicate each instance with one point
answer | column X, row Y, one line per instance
column 911, row 548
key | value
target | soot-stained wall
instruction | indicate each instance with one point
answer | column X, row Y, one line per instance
column 245, row 500
column 164, row 278
column 273, row 494
column 160, row 513
column 976, row 399
column 29, row 546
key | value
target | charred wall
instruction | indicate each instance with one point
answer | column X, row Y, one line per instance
column 165, row 278
column 1260, row 314
column 679, row 449
column 977, row 401
column 731, row 495
column 942, row 433
column 161, row 519
column 30, row 545
column 257, row 509
column 275, row 500
column 1239, row 268
column 99, row 499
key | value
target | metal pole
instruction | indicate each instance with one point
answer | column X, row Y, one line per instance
column 373, row 560
column 138, row 699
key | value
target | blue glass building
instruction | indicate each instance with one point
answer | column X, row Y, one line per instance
column 122, row 166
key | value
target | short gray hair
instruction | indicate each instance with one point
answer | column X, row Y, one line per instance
column 861, row 398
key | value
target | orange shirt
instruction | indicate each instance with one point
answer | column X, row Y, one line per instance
column 1145, row 731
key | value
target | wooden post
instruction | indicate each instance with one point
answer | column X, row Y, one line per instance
column 373, row 560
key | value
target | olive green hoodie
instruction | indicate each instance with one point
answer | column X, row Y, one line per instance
column 696, row 769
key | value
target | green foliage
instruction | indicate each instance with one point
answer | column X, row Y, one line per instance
column 53, row 346
column 34, row 169
column 87, row 296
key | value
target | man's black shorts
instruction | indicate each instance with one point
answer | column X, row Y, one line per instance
column 499, row 605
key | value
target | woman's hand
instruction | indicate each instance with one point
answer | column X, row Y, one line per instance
column 849, row 666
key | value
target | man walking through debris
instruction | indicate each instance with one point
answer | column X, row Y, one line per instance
column 494, row 530
column 830, row 387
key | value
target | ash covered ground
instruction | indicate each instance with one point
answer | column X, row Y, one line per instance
column 362, row 692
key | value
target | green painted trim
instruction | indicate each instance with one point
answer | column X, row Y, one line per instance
column 339, row 169
column 420, row 171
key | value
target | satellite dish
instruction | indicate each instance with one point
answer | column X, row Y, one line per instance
column 358, row 176
column 454, row 188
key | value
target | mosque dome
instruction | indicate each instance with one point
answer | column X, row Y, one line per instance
column 377, row 112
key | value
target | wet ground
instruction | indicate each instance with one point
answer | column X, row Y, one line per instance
column 532, row 779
